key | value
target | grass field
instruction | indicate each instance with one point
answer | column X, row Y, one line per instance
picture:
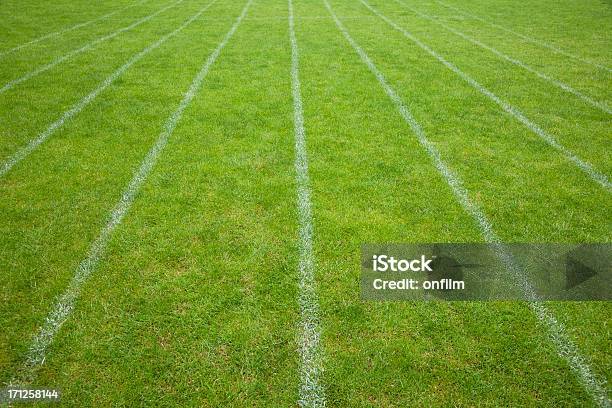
column 186, row 186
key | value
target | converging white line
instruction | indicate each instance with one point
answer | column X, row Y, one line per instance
column 78, row 107
column 311, row 392
column 517, row 114
column 600, row 105
column 74, row 27
column 565, row 347
column 59, row 60
column 64, row 306
column 527, row 38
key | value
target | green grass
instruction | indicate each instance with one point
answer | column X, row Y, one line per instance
column 194, row 302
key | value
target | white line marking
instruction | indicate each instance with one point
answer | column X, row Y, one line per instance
column 526, row 38
column 64, row 306
column 59, row 60
column 518, row 115
column 565, row 87
column 74, row 27
column 565, row 347
column 312, row 393
column 78, row 107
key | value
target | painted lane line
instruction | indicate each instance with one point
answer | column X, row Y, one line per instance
column 600, row 105
column 74, row 27
column 527, row 38
column 78, row 107
column 59, row 60
column 565, row 347
column 64, row 306
column 311, row 393
column 515, row 112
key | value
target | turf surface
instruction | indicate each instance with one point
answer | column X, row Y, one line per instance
column 194, row 301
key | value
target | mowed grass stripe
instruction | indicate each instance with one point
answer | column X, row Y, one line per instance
column 80, row 105
column 527, row 38
column 312, row 393
column 597, row 104
column 508, row 180
column 195, row 302
column 586, row 167
column 373, row 182
column 556, row 331
column 11, row 84
column 65, row 304
column 58, row 199
column 71, row 28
